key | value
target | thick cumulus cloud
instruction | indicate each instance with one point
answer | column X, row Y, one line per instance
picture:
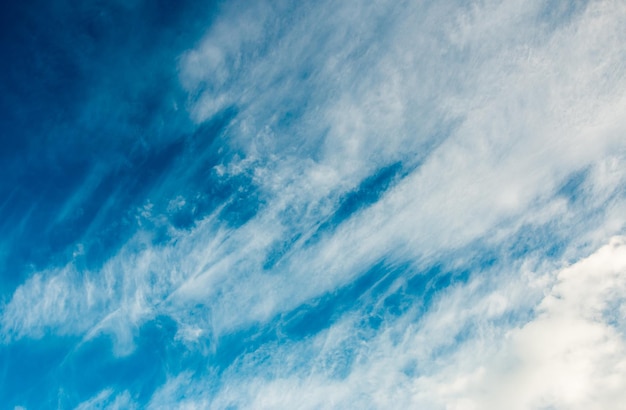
column 572, row 354
column 372, row 204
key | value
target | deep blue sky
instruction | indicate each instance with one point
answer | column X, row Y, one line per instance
column 312, row 204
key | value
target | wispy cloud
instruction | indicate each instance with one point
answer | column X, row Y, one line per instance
column 476, row 347
column 407, row 181
column 106, row 399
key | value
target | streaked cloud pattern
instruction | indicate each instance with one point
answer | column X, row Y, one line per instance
column 303, row 205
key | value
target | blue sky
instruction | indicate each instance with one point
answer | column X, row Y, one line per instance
column 303, row 205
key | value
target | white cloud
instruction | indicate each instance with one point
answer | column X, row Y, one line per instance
column 496, row 113
column 107, row 399
column 572, row 354
column 467, row 352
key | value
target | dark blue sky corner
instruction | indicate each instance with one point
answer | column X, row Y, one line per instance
column 103, row 91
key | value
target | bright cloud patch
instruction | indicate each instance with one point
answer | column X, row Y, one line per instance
column 314, row 205
column 570, row 355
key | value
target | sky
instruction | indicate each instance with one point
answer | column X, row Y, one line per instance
column 313, row 204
